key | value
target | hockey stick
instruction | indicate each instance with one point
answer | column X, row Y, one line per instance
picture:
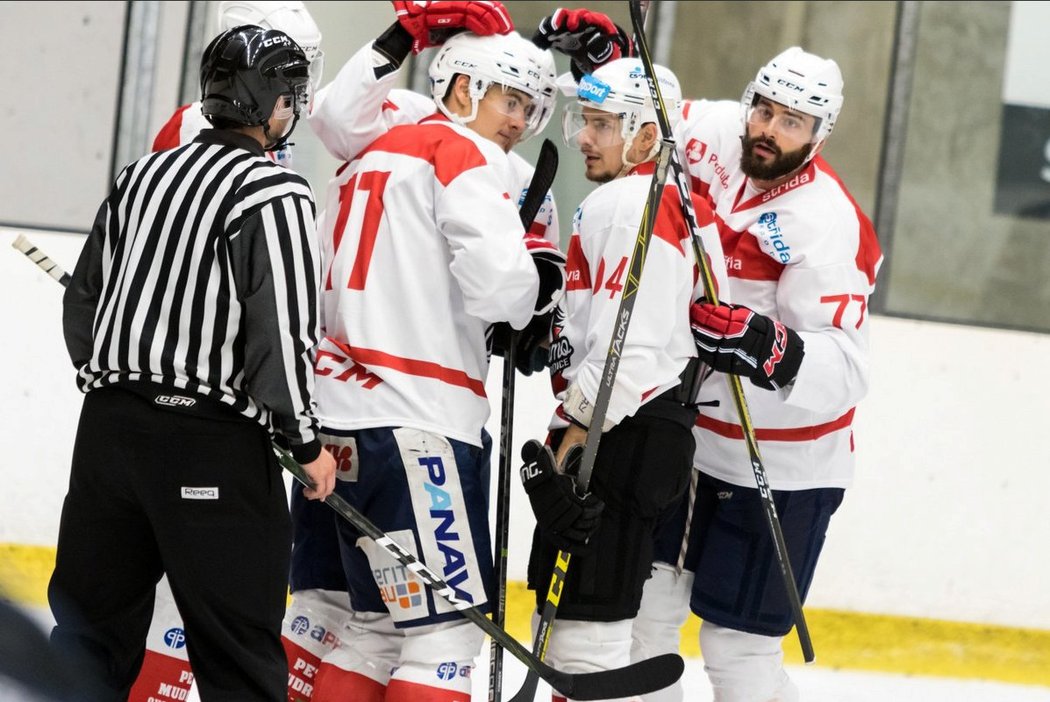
column 542, row 179
column 735, row 384
column 636, row 679
column 37, row 256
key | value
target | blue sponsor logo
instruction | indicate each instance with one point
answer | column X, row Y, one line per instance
column 590, row 88
column 447, row 538
column 300, row 625
column 175, row 638
column 447, row 671
column 775, row 237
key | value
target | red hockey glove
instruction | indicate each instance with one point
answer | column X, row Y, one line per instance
column 734, row 339
column 565, row 517
column 589, row 38
column 431, row 22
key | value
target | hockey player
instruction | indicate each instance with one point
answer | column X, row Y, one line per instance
column 802, row 259
column 193, row 334
column 319, row 603
column 424, row 251
column 645, row 456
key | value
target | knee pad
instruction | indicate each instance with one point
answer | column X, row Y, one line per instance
column 436, row 663
column 745, row 667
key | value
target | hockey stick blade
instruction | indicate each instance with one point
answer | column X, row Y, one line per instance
column 37, row 256
column 636, row 679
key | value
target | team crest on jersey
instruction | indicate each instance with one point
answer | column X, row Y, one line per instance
column 695, row 150
column 559, row 355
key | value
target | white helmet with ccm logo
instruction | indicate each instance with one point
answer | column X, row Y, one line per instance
column 803, row 82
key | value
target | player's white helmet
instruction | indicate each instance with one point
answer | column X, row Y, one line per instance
column 620, row 87
column 292, row 18
column 801, row 81
column 498, row 59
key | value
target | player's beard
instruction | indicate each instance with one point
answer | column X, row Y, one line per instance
column 783, row 164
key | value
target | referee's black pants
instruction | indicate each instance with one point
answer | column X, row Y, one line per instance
column 153, row 491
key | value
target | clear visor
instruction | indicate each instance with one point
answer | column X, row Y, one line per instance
column 774, row 117
column 515, row 104
column 601, row 129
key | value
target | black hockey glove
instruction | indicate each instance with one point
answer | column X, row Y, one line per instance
column 589, row 38
column 734, row 339
column 530, row 348
column 564, row 517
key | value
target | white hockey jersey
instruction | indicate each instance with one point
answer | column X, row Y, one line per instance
column 356, row 108
column 424, row 249
column 805, row 254
column 658, row 343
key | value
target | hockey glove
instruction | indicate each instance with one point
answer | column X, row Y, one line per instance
column 589, row 38
column 550, row 265
column 566, row 518
column 530, row 348
column 734, row 339
column 432, row 22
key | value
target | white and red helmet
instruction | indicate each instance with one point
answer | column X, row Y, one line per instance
column 498, row 59
column 803, row 82
column 292, row 18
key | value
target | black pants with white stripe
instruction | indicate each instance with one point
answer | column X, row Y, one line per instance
column 154, row 491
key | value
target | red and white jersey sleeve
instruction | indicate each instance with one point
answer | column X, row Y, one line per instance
column 658, row 343
column 187, row 122
column 356, row 108
column 805, row 254
column 423, row 250
column 181, row 128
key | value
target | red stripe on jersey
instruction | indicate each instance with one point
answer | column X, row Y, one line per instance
column 389, row 104
column 537, row 228
column 413, row 366
column 744, row 259
column 168, row 136
column 448, row 153
column 869, row 253
column 810, row 433
column 577, row 272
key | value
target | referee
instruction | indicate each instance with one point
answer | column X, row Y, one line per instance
column 191, row 319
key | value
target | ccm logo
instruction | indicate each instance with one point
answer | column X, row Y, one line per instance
column 174, row 401
column 200, row 493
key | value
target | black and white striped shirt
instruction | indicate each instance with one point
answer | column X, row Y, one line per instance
column 201, row 274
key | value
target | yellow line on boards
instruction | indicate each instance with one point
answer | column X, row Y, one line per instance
column 848, row 640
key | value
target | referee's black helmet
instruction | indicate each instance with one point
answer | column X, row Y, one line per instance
column 246, row 69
